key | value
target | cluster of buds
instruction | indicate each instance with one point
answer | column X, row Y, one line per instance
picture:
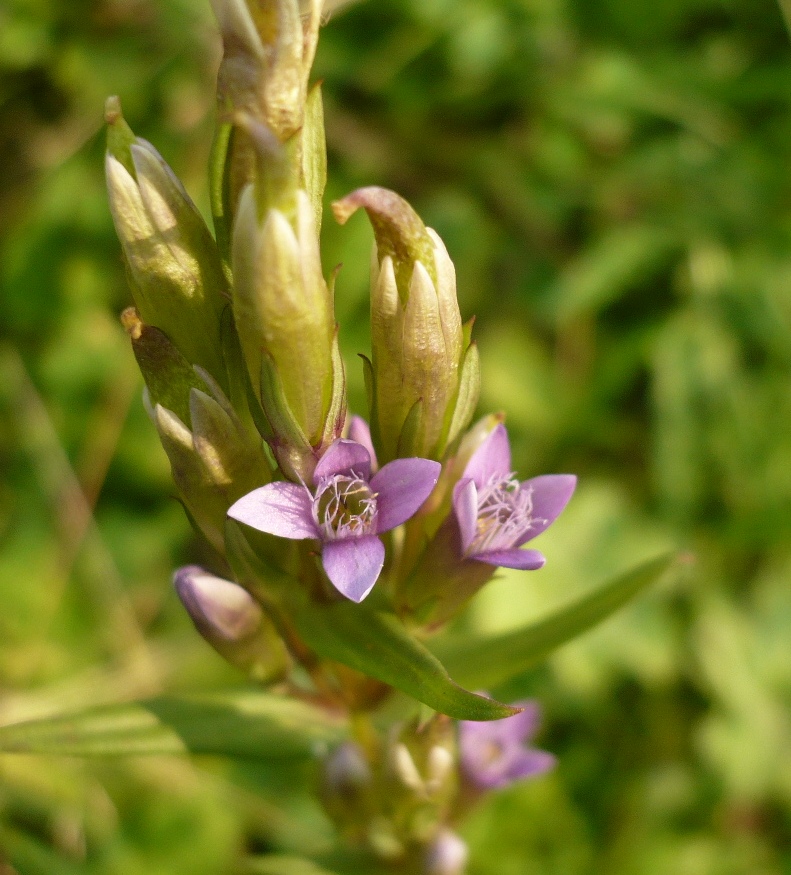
column 235, row 335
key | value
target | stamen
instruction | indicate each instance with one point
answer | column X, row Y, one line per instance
column 504, row 515
column 344, row 507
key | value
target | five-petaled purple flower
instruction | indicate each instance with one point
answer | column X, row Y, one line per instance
column 495, row 754
column 497, row 513
column 347, row 510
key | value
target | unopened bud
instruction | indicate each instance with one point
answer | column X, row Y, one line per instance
column 174, row 266
column 446, row 855
column 439, row 768
column 230, row 620
column 346, row 769
column 221, row 610
column 405, row 769
column 424, row 371
column 284, row 316
column 167, row 374
column 215, row 462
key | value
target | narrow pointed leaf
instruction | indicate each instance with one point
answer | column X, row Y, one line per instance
column 280, row 864
column 492, row 660
column 371, row 641
column 377, row 644
column 247, row 724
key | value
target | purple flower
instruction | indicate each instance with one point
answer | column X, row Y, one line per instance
column 497, row 513
column 494, row 754
column 347, row 510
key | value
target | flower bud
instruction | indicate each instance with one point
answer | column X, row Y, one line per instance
column 346, row 770
column 268, row 50
column 167, row 374
column 284, row 316
column 446, row 855
column 174, row 267
column 214, row 463
column 228, row 617
column 424, row 372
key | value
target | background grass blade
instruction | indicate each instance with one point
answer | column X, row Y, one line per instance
column 240, row 724
column 483, row 663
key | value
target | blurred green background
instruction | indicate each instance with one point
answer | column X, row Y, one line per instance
column 612, row 180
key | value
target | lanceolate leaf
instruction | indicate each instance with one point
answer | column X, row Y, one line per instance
column 247, row 724
column 278, row 864
column 371, row 641
column 492, row 660
column 377, row 644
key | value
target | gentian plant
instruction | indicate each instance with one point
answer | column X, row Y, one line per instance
column 330, row 581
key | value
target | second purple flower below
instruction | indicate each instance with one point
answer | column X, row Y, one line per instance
column 346, row 510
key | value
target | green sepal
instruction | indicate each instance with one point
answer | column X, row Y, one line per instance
column 235, row 463
column 120, row 137
column 409, row 440
column 289, row 442
column 336, row 414
column 368, row 640
column 313, row 151
column 485, row 662
column 240, row 390
column 167, row 374
column 468, row 394
column 369, row 380
column 219, row 189
column 206, row 504
column 244, row 723
column 466, row 332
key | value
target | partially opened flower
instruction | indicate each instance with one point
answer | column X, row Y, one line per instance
column 495, row 754
column 347, row 510
column 497, row 513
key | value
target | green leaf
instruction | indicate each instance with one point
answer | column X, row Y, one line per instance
column 486, row 662
column 279, row 864
column 371, row 641
column 244, row 723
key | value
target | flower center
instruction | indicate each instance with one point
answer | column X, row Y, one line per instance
column 344, row 507
column 504, row 515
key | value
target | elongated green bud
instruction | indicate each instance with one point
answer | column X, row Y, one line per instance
column 284, row 316
column 168, row 375
column 215, row 462
column 424, row 373
column 173, row 264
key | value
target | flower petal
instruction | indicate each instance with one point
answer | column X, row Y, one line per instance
column 530, row 764
column 465, row 503
column 342, row 457
column 494, row 754
column 282, row 509
column 491, row 459
column 524, row 560
column 353, row 565
column 360, row 431
column 401, row 488
column 551, row 493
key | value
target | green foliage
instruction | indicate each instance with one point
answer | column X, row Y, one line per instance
column 611, row 181
column 242, row 724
